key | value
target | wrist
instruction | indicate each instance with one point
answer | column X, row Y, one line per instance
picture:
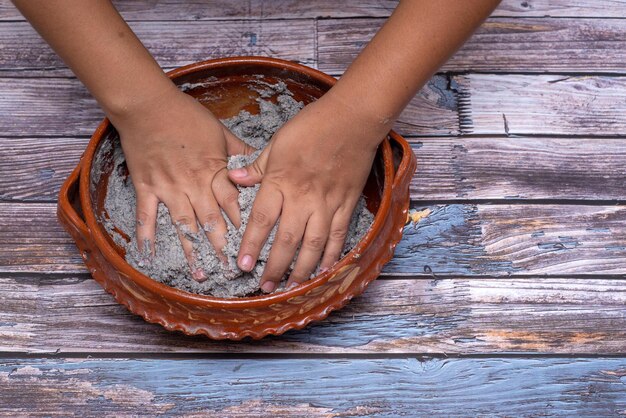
column 123, row 106
column 373, row 123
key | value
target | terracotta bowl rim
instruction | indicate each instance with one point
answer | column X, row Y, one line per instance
column 173, row 293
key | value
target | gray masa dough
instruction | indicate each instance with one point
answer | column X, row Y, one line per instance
column 169, row 265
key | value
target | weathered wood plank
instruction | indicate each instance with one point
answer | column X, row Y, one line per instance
column 448, row 168
column 519, row 168
column 499, row 45
column 23, row 52
column 287, row 9
column 562, row 8
column 28, row 173
column 315, row 387
column 458, row 239
column 521, row 239
column 546, row 104
column 453, row 316
column 189, row 10
column 63, row 107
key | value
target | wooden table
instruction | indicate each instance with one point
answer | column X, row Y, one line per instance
column 507, row 298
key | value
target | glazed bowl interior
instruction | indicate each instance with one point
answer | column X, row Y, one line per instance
column 225, row 91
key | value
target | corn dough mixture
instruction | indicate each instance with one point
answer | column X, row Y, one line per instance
column 169, row 265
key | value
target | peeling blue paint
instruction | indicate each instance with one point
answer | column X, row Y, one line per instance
column 345, row 386
column 448, row 241
column 252, row 38
column 598, row 230
column 563, row 243
column 337, row 332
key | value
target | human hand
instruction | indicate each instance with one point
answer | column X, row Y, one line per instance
column 312, row 174
column 176, row 152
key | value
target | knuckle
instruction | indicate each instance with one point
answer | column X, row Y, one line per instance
column 247, row 149
column 286, row 238
column 257, row 167
column 214, row 164
column 338, row 234
column 259, row 218
column 210, row 221
column 304, row 188
column 183, row 220
column 315, row 242
column 231, row 198
column 142, row 217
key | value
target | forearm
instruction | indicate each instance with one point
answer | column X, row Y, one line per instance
column 97, row 44
column 416, row 40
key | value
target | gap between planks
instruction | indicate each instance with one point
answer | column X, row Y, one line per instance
column 582, row 317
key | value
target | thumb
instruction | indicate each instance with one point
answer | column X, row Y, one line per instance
column 235, row 146
column 252, row 173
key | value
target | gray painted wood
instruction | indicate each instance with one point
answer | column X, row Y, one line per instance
column 500, row 45
column 315, row 387
column 459, row 239
column 173, row 44
column 546, row 104
column 66, row 314
column 285, row 9
column 62, row 107
column 448, row 169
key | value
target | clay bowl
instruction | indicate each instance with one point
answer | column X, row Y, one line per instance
column 222, row 85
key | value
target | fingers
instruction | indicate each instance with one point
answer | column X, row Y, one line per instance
column 184, row 219
column 227, row 197
column 288, row 238
column 265, row 212
column 336, row 237
column 315, row 238
column 234, row 145
column 147, row 205
column 253, row 173
column 210, row 217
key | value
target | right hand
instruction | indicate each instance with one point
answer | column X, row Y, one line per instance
column 176, row 151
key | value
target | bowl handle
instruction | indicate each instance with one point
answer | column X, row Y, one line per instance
column 405, row 164
column 69, row 212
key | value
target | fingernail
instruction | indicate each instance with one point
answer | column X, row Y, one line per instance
column 198, row 275
column 292, row 285
column 246, row 263
column 239, row 173
column 268, row 286
column 323, row 270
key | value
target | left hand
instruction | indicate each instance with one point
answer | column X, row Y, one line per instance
column 312, row 174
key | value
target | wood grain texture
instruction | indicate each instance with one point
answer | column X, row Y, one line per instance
column 519, row 168
column 502, row 240
column 285, row 9
column 449, row 168
column 173, row 44
column 315, row 387
column 459, row 239
column 547, row 104
column 499, row 45
column 63, row 107
column 28, row 173
column 73, row 314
